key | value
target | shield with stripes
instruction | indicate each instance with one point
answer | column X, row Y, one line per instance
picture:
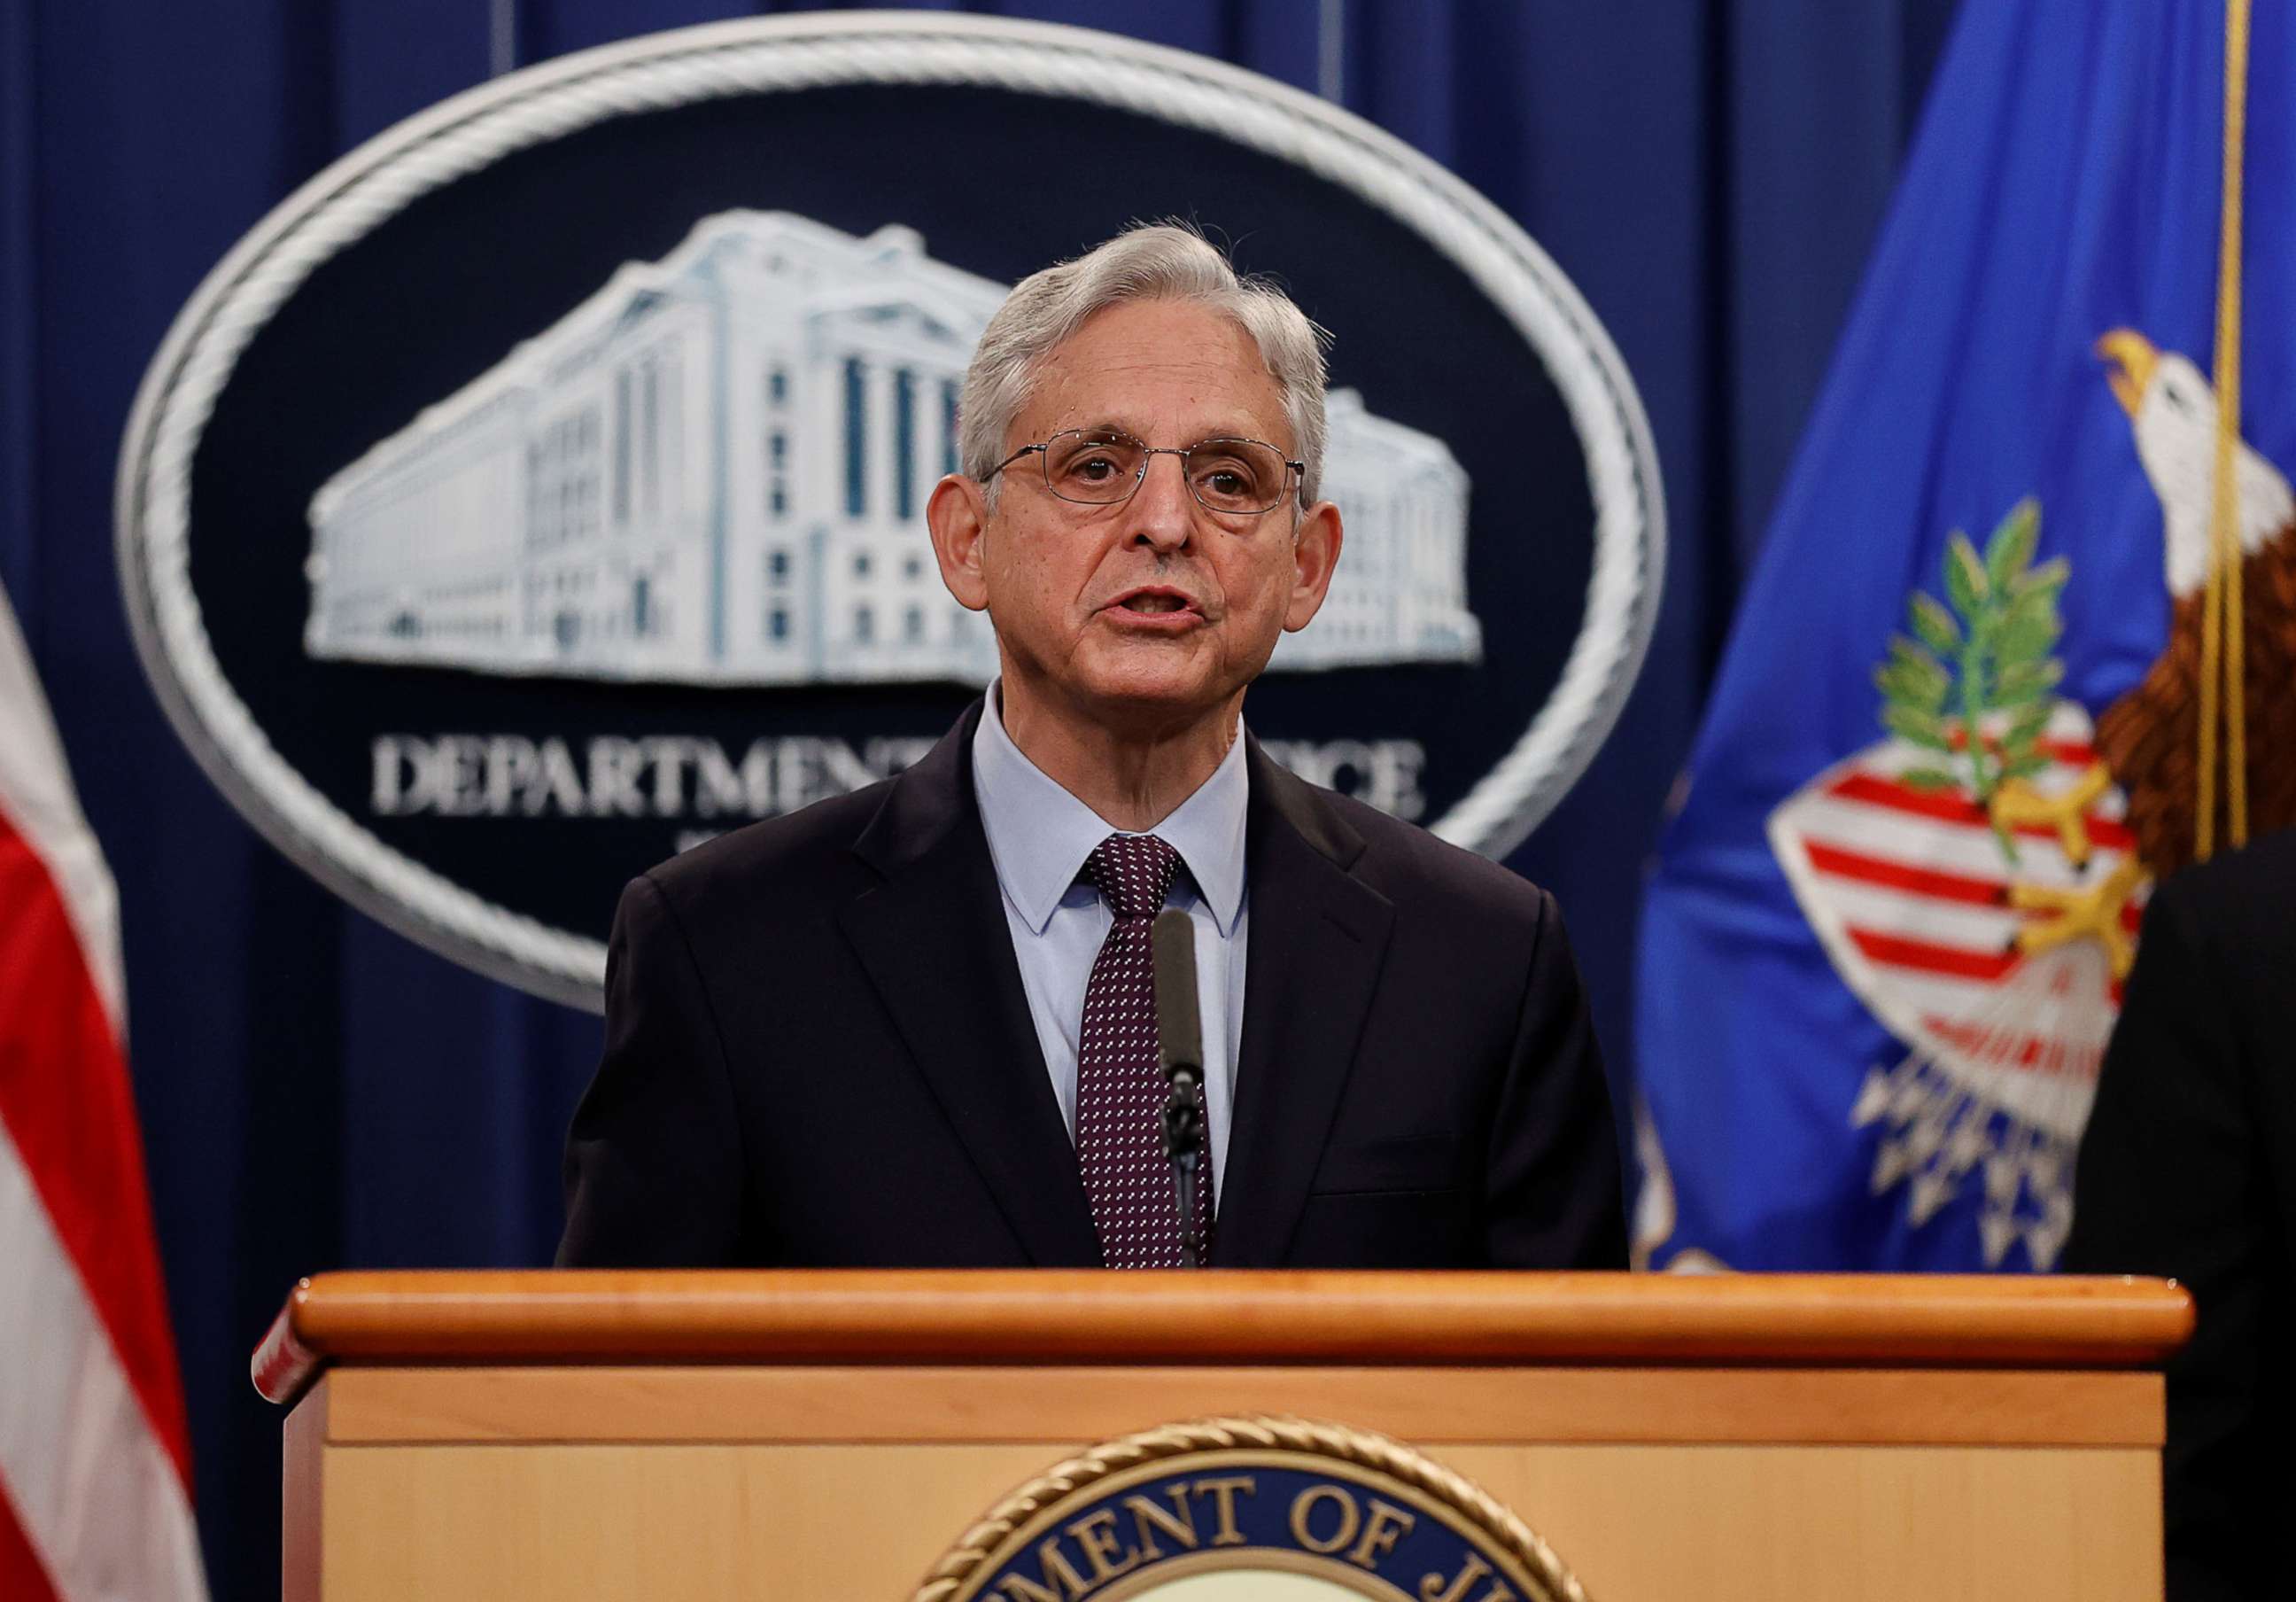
column 1920, row 896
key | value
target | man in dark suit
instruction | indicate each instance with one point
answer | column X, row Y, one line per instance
column 2188, row 1169
column 910, row 1027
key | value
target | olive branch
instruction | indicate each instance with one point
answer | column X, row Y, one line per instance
column 1982, row 656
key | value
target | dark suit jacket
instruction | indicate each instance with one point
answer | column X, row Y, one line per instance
column 2188, row 1169
column 818, row 1052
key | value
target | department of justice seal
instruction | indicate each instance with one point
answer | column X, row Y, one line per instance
column 539, row 490
column 1250, row 1510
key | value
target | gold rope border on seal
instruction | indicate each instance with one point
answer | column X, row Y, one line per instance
column 2224, row 614
column 1550, row 1580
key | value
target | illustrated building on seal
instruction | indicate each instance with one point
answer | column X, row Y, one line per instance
column 714, row 470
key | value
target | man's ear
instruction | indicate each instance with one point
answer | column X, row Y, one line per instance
column 1315, row 554
column 957, row 515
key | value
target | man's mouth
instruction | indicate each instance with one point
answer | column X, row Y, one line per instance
column 1156, row 601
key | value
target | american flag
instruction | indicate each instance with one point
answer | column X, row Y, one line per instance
column 94, row 1454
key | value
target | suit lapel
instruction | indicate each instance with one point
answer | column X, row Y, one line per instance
column 1317, row 937
column 934, row 941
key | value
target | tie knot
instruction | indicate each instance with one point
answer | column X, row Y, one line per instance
column 1133, row 873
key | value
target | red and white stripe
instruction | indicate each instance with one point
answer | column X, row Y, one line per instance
column 94, row 1454
column 1910, row 893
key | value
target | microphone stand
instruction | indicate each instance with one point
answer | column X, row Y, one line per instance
column 1183, row 1148
column 1180, row 1052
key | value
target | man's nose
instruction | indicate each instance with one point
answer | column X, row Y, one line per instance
column 1164, row 512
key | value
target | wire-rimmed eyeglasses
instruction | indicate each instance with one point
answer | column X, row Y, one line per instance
column 1100, row 468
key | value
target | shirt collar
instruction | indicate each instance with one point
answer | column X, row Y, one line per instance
column 1039, row 834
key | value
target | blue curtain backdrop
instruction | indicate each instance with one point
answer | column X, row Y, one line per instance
column 317, row 1092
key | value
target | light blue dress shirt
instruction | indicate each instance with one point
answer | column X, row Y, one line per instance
column 1040, row 836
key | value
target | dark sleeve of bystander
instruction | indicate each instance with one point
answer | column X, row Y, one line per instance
column 2183, row 1172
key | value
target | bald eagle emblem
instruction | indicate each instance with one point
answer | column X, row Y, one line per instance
column 2150, row 738
column 1977, row 876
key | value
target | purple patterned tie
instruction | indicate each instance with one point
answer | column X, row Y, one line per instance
column 1121, row 1087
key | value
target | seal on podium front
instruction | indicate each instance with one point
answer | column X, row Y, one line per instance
column 1250, row 1509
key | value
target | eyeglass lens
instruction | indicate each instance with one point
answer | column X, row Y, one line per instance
column 1099, row 466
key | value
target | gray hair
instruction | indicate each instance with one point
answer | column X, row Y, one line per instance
column 1153, row 261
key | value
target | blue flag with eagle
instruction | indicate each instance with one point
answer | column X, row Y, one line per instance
column 2002, row 662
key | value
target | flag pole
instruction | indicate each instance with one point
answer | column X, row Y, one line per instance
column 2223, row 611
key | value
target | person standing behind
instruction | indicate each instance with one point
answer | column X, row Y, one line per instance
column 2188, row 1171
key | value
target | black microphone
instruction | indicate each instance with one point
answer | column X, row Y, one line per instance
column 1180, row 1049
column 1179, row 1027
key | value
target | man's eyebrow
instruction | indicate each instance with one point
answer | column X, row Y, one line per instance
column 1235, row 429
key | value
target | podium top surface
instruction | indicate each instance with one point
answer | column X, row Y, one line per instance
column 1043, row 1316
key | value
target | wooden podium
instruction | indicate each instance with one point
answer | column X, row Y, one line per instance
column 828, row 1436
